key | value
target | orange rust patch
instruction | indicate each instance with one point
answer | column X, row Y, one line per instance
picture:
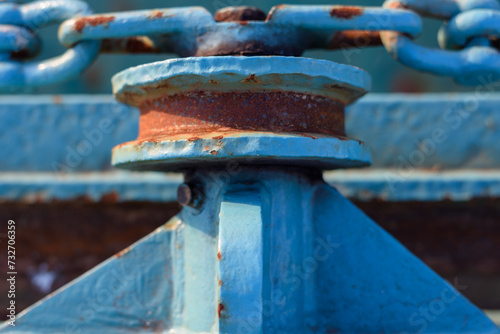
column 93, row 21
column 220, row 308
column 214, row 152
column 239, row 14
column 197, row 114
column 396, row 5
column 156, row 15
column 219, row 256
column 251, row 78
column 346, row 12
column 129, row 45
column 111, row 197
column 123, row 252
column 308, row 136
column 355, row 39
column 57, row 99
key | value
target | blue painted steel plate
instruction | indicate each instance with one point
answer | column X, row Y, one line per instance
column 243, row 149
column 303, row 75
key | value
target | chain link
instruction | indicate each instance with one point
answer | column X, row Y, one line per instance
column 470, row 29
column 471, row 23
column 18, row 25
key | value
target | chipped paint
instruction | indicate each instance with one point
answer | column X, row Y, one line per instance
column 92, row 21
column 346, row 12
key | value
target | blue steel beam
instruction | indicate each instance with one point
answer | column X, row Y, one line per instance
column 398, row 128
column 384, row 184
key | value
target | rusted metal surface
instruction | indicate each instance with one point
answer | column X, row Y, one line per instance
column 213, row 45
column 94, row 21
column 239, row 14
column 130, row 45
column 355, row 39
column 254, row 110
column 346, row 12
column 201, row 113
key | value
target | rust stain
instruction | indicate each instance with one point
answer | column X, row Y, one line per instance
column 214, row 82
column 221, row 47
column 93, row 21
column 220, row 309
column 111, row 197
column 57, row 99
column 206, row 148
column 219, row 256
column 354, row 39
column 251, row 79
column 129, row 45
column 21, row 54
column 239, row 14
column 271, row 12
column 162, row 85
column 396, row 5
column 123, row 252
column 155, row 14
column 308, row 136
column 346, row 12
column 201, row 114
column 214, row 152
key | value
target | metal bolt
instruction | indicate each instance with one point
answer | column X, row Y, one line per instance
column 238, row 14
column 189, row 194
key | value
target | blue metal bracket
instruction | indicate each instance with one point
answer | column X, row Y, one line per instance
column 270, row 251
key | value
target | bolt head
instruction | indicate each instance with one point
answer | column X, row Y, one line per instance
column 184, row 194
column 189, row 194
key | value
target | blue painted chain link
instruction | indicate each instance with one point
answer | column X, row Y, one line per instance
column 288, row 30
column 18, row 24
column 472, row 26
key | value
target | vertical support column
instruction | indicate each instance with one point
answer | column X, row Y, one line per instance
column 240, row 267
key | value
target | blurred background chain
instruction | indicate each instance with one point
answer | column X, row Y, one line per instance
column 468, row 39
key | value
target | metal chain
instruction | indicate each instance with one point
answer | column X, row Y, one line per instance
column 18, row 39
column 472, row 26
